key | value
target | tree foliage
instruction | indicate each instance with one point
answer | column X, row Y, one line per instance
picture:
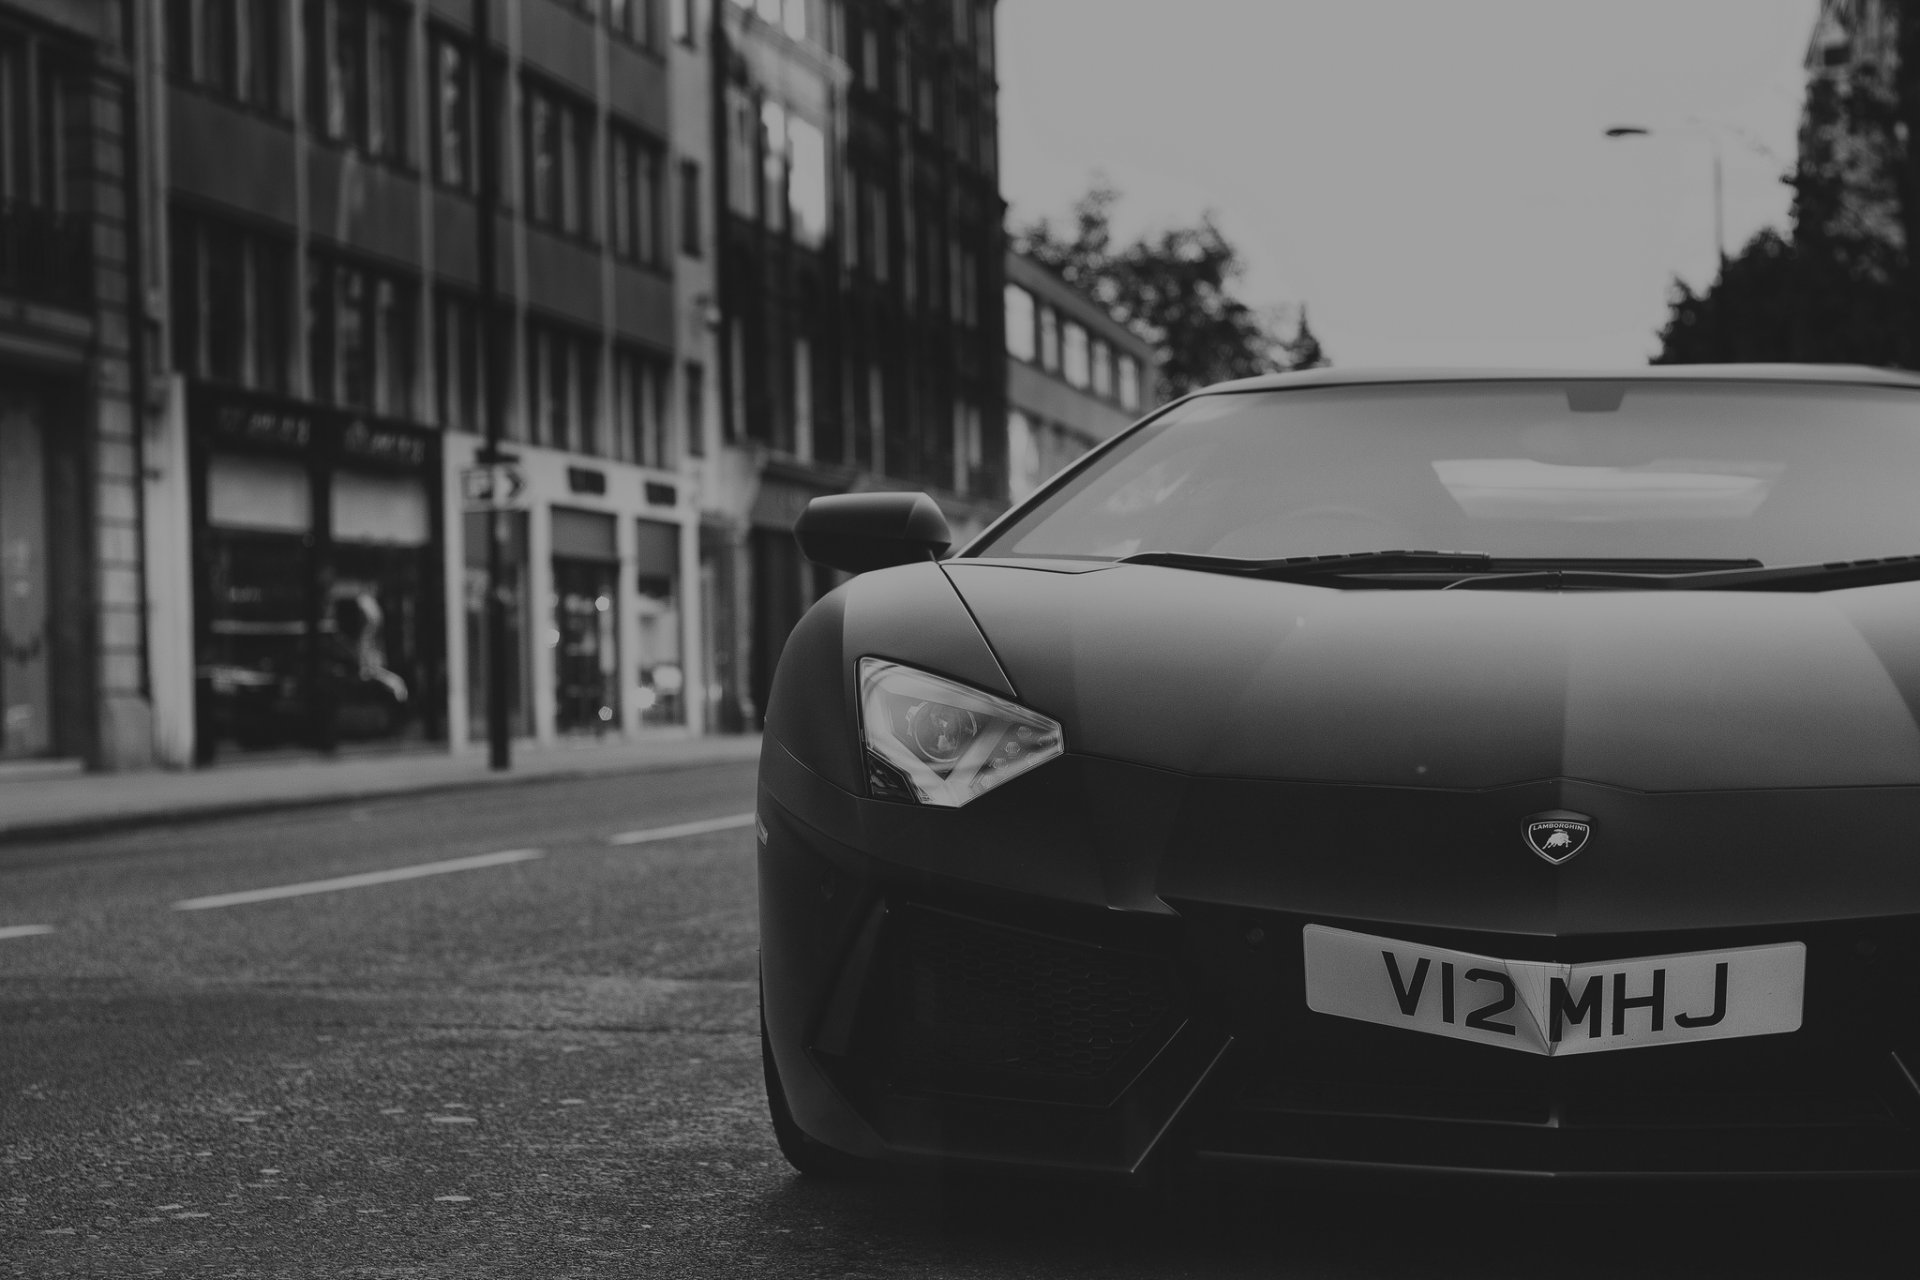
column 1175, row 287
column 1844, row 286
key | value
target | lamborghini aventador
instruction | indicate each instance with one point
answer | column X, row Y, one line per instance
column 1500, row 773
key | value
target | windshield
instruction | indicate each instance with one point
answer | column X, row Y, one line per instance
column 1781, row 473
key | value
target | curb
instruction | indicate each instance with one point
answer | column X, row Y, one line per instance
column 60, row 829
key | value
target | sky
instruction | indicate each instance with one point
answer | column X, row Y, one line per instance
column 1430, row 179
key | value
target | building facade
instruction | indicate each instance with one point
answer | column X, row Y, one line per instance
column 328, row 336
column 1075, row 375
column 744, row 253
column 74, row 360
column 858, row 199
column 1848, row 132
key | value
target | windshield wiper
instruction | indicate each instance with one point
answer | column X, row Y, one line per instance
column 1309, row 568
column 1462, row 568
column 1834, row 575
column 1476, row 570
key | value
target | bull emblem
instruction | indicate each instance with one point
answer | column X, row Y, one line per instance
column 1558, row 835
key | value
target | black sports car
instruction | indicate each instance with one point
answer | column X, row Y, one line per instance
column 1489, row 772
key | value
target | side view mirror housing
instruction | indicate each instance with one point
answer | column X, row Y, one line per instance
column 855, row 532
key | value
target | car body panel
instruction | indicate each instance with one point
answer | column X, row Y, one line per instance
column 1657, row 691
column 1246, row 758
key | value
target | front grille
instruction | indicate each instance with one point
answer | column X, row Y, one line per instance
column 974, row 1007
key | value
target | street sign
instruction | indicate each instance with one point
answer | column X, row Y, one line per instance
column 501, row 487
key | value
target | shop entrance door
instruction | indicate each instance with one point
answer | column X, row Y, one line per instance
column 587, row 659
column 26, row 684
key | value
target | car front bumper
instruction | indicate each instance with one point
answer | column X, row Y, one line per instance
column 934, row 993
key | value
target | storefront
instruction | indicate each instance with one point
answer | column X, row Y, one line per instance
column 317, row 576
column 594, row 569
column 41, row 683
column 586, row 624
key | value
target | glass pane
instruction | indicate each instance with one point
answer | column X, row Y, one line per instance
column 586, row 647
column 1020, row 343
column 1784, row 474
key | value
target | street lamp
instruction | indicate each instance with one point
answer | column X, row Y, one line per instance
column 1719, row 199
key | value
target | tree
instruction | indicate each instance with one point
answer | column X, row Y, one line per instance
column 1304, row 351
column 1174, row 287
column 1844, row 286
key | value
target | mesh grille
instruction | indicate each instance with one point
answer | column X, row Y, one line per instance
column 976, row 998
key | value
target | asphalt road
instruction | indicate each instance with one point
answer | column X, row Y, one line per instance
column 544, row 1063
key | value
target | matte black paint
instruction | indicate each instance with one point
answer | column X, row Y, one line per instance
column 1244, row 757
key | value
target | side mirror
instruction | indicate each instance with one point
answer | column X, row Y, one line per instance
column 856, row 532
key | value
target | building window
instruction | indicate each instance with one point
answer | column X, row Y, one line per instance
column 849, row 217
column 686, row 21
column 360, row 334
column 927, row 102
column 640, row 426
column 1074, row 355
column 453, row 112
column 1020, row 336
column 559, row 152
column 969, row 447
column 773, row 165
column 634, row 191
column 357, row 60
column 635, row 20
column 802, row 388
column 870, row 58
column 232, row 301
column 1102, row 369
column 743, row 150
column 691, row 232
column 877, row 415
column 1023, row 456
column 1049, row 339
column 230, row 47
column 879, row 248
column 695, row 389
column 562, row 389
column 1129, row 384
column 459, row 364
column 807, row 181
column 662, row 689
column 964, row 288
column 793, row 18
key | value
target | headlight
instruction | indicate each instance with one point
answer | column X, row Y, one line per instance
column 935, row 741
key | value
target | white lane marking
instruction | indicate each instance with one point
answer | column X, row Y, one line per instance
column 699, row 828
column 23, row 930
column 360, row 881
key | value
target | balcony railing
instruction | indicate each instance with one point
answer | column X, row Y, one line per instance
column 44, row 255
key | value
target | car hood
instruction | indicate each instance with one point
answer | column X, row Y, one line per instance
column 1657, row 691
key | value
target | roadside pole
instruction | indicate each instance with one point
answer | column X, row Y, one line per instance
column 492, row 352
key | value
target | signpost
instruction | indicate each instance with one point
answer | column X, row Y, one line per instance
column 500, row 487
column 493, row 356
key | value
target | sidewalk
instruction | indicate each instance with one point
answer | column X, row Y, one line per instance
column 46, row 804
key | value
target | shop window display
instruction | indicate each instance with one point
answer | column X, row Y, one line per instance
column 318, row 572
column 586, row 637
column 662, row 679
column 586, row 647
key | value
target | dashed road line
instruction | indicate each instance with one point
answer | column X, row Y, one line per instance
column 23, row 930
column 699, row 828
column 361, row 881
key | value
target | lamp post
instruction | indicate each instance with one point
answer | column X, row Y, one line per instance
column 1719, row 197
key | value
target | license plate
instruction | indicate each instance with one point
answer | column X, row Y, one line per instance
column 1556, row 1008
